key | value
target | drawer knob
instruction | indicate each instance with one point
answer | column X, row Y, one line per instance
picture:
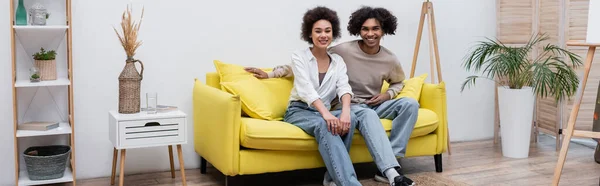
column 149, row 124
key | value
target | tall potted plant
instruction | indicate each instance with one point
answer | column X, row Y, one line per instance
column 521, row 77
column 45, row 61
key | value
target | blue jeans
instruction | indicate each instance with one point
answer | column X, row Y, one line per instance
column 333, row 148
column 403, row 112
column 375, row 137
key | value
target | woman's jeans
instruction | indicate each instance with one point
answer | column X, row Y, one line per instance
column 333, row 148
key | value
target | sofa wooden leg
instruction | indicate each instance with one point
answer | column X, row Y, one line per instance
column 438, row 162
column 202, row 165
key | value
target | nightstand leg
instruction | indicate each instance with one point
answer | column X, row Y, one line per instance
column 114, row 166
column 171, row 160
column 181, row 165
column 122, row 173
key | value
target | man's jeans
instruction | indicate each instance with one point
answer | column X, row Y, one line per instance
column 375, row 137
column 403, row 112
column 333, row 148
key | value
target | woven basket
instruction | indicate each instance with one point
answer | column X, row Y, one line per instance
column 47, row 69
column 129, row 88
column 46, row 162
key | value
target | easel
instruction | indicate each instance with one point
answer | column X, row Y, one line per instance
column 570, row 132
column 427, row 10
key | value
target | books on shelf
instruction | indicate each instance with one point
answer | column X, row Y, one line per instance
column 162, row 108
column 38, row 125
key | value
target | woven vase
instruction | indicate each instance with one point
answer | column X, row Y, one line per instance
column 47, row 69
column 129, row 87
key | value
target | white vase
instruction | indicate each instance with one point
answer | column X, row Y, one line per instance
column 516, row 108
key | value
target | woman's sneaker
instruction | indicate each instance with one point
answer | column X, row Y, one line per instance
column 402, row 181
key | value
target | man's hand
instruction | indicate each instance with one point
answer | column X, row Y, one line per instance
column 258, row 73
column 333, row 123
column 345, row 122
column 378, row 99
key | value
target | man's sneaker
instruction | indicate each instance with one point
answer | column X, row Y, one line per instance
column 402, row 181
column 382, row 178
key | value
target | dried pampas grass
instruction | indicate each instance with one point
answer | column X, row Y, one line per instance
column 130, row 33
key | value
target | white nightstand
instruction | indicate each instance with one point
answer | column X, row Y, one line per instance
column 140, row 130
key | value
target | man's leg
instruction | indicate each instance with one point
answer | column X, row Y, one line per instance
column 378, row 144
column 403, row 112
column 331, row 147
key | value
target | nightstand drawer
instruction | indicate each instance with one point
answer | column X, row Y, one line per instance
column 151, row 132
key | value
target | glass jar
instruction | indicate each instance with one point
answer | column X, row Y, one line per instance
column 34, row 74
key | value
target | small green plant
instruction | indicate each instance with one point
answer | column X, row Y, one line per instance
column 35, row 76
column 45, row 55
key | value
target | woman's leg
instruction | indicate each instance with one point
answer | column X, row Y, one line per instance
column 333, row 151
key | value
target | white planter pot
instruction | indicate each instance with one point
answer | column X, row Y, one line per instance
column 516, row 108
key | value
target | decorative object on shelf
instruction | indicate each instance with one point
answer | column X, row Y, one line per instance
column 521, row 79
column 130, row 79
column 46, row 162
column 38, row 14
column 21, row 14
column 45, row 61
column 34, row 74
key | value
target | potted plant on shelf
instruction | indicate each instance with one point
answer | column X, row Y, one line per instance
column 521, row 77
column 45, row 61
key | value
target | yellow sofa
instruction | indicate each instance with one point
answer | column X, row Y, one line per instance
column 236, row 144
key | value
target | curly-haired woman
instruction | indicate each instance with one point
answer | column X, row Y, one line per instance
column 319, row 78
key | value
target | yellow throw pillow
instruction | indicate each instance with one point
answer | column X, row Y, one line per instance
column 412, row 87
column 261, row 98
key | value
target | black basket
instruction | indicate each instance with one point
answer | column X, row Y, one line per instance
column 46, row 162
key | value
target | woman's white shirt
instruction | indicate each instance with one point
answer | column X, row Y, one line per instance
column 306, row 79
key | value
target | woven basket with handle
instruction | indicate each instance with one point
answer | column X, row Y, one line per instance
column 129, row 87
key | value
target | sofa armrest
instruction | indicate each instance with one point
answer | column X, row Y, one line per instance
column 217, row 116
column 433, row 97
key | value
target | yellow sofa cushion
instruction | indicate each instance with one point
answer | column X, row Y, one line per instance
column 261, row 98
column 279, row 135
column 412, row 87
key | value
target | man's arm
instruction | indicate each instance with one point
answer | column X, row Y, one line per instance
column 395, row 79
column 281, row 71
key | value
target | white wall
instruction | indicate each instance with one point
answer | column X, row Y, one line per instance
column 181, row 38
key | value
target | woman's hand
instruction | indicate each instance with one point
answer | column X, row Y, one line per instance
column 345, row 122
column 258, row 73
column 333, row 123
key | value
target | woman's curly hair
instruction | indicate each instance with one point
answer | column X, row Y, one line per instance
column 316, row 14
column 387, row 20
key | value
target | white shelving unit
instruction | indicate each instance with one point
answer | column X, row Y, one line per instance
column 50, row 100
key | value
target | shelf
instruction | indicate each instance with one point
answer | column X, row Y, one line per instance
column 36, row 27
column 32, row 38
column 24, row 178
column 63, row 128
column 57, row 82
